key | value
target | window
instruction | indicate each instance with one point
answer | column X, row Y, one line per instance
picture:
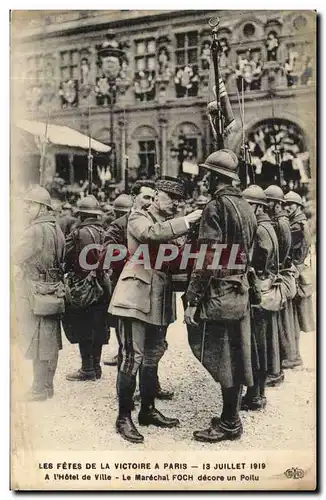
column 145, row 55
column 187, row 48
column 69, row 65
column 147, row 158
column 35, row 70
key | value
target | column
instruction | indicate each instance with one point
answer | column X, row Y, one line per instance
column 163, row 124
column 123, row 140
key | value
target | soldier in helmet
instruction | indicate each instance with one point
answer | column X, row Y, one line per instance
column 86, row 326
column 280, row 220
column 301, row 241
column 40, row 256
column 263, row 323
column 224, row 345
column 143, row 301
column 122, row 205
column 66, row 220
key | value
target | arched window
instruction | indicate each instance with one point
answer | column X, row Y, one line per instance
column 280, row 140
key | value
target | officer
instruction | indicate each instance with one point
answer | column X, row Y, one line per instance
column 280, row 220
column 301, row 241
column 263, row 323
column 143, row 301
column 87, row 325
column 40, row 257
column 224, row 348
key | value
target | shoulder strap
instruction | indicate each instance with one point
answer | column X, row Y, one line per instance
column 55, row 236
column 240, row 225
column 152, row 217
column 273, row 244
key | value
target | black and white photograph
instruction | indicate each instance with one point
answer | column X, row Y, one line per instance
column 163, row 187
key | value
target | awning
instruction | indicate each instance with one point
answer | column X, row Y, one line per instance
column 62, row 135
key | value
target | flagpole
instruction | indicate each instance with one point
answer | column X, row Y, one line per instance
column 90, row 156
column 215, row 50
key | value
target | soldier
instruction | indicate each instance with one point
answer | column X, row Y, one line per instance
column 143, row 301
column 66, row 220
column 122, row 205
column 301, row 240
column 280, row 220
column 142, row 195
column 86, row 324
column 40, row 256
column 108, row 216
column 220, row 296
column 263, row 323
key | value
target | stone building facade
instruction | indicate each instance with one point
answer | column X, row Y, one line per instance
column 157, row 114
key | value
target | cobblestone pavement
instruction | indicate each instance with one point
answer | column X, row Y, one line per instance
column 81, row 415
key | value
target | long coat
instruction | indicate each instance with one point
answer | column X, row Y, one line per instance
column 301, row 241
column 264, row 323
column 41, row 248
column 90, row 323
column 283, row 232
column 146, row 294
column 224, row 348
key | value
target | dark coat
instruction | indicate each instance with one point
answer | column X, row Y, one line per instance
column 41, row 248
column 264, row 326
column 66, row 222
column 226, row 347
column 89, row 323
column 301, row 241
column 283, row 232
column 265, row 251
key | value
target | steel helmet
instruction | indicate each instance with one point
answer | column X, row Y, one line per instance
column 255, row 194
column 39, row 194
column 293, row 197
column 274, row 192
column 223, row 162
column 89, row 205
column 123, row 203
column 67, row 206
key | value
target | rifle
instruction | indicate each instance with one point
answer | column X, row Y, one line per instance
column 245, row 149
column 126, row 174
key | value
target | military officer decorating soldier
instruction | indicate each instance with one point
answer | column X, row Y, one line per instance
column 240, row 339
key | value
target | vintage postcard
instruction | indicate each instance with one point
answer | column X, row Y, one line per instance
column 163, row 250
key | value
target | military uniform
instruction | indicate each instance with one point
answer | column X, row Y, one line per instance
column 281, row 225
column 266, row 352
column 224, row 348
column 40, row 252
column 86, row 326
column 142, row 300
column 301, row 240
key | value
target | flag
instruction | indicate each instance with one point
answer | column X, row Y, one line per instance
column 225, row 105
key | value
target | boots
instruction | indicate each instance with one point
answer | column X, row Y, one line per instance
column 228, row 426
column 254, row 400
column 274, row 380
column 38, row 391
column 148, row 414
column 124, row 425
column 97, row 352
column 161, row 394
column 86, row 372
column 52, row 366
